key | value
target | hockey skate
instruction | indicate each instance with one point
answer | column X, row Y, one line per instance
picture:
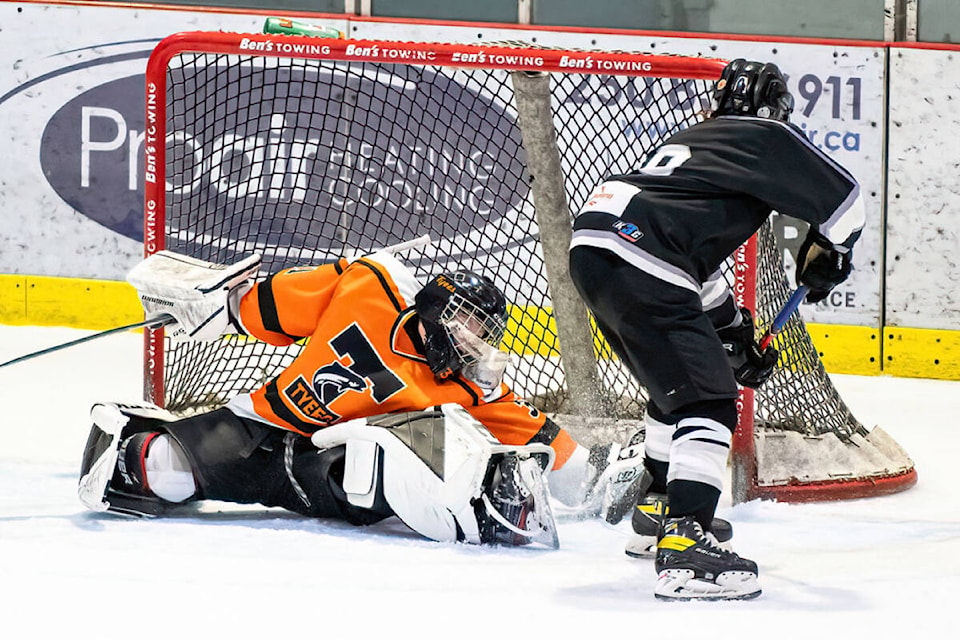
column 648, row 514
column 692, row 566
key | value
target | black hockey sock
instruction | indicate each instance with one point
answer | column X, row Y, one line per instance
column 658, row 470
column 690, row 498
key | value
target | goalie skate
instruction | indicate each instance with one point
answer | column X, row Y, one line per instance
column 691, row 566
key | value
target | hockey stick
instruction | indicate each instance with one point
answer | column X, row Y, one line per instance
column 781, row 320
column 156, row 322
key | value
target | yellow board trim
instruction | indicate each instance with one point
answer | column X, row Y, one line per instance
column 104, row 304
column 67, row 302
column 921, row 353
column 531, row 331
column 848, row 349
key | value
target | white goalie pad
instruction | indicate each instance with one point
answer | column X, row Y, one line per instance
column 201, row 296
column 440, row 473
column 109, row 419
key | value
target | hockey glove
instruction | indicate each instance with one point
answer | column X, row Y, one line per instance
column 619, row 475
column 821, row 265
column 202, row 297
column 751, row 365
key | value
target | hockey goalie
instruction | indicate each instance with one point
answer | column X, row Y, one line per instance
column 395, row 406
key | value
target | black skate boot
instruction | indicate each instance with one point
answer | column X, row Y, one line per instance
column 649, row 512
column 692, row 566
column 646, row 519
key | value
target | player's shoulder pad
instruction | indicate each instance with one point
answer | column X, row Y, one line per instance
column 407, row 284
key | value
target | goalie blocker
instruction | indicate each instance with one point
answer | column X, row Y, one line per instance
column 439, row 471
column 202, row 297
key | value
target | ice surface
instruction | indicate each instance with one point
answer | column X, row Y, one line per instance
column 877, row 568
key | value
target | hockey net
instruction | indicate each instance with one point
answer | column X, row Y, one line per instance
column 306, row 150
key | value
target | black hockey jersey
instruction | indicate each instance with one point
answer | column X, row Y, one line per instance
column 709, row 188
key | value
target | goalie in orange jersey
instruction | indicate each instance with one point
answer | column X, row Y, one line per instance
column 394, row 406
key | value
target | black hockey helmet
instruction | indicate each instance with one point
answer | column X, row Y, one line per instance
column 452, row 303
column 748, row 88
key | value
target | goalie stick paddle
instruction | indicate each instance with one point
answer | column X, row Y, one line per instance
column 781, row 320
column 420, row 241
column 155, row 322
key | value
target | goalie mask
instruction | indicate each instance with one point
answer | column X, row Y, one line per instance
column 752, row 89
column 463, row 316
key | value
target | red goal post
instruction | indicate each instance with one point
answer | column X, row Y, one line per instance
column 306, row 149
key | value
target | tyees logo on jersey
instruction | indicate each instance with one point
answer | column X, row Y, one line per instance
column 366, row 371
column 329, row 383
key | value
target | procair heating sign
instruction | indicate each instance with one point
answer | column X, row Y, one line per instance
column 91, row 154
column 401, row 150
column 365, row 150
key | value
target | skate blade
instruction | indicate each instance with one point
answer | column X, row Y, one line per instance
column 642, row 547
column 680, row 584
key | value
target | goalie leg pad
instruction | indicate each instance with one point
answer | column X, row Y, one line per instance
column 446, row 477
column 320, row 476
column 233, row 459
column 247, row 462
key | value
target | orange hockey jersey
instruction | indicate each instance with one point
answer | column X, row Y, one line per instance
column 360, row 357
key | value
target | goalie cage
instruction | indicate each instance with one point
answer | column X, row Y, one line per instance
column 306, row 149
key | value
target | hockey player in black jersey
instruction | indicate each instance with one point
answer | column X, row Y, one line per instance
column 645, row 256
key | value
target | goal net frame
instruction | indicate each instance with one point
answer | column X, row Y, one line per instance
column 792, row 457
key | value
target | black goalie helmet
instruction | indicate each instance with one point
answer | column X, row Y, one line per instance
column 457, row 309
column 748, row 88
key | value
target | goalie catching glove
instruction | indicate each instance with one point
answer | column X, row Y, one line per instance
column 202, row 297
column 822, row 265
column 751, row 365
